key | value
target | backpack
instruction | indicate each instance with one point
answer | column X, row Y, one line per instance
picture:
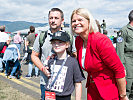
column 42, row 38
column 36, row 35
column 2, row 44
column 71, row 37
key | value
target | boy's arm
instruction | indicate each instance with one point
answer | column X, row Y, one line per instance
column 78, row 91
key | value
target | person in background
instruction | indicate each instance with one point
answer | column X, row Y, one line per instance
column 97, row 56
column 103, row 25
column 11, row 57
column 105, row 32
column 25, row 48
column 17, row 40
column 98, row 25
column 29, row 42
column 56, row 19
column 124, row 48
column 5, row 40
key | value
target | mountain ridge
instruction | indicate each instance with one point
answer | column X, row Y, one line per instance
column 20, row 25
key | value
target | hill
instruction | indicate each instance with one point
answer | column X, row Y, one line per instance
column 19, row 25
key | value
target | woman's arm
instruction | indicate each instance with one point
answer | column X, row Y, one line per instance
column 78, row 91
column 110, row 58
column 121, row 83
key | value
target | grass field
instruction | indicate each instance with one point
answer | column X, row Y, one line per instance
column 9, row 93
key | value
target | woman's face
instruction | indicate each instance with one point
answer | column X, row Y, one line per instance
column 80, row 24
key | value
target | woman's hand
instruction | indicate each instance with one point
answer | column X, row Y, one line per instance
column 124, row 98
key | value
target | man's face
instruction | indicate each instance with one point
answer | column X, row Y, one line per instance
column 55, row 20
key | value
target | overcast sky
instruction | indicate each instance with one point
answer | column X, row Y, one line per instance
column 115, row 12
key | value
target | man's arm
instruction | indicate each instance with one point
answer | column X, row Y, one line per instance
column 78, row 91
column 38, row 63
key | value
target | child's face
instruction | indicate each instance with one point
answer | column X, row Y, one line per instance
column 59, row 46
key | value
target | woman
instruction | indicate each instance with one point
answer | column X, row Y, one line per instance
column 97, row 56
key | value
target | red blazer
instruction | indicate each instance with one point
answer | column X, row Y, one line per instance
column 102, row 63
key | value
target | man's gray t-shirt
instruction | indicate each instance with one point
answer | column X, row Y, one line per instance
column 46, row 50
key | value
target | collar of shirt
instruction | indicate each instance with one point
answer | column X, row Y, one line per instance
column 50, row 33
column 130, row 27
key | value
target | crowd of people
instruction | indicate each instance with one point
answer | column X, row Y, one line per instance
column 11, row 50
column 60, row 57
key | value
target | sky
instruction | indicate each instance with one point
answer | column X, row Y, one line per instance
column 114, row 12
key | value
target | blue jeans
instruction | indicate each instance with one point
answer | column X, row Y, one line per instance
column 30, row 69
column 16, row 65
column 42, row 91
column 1, row 66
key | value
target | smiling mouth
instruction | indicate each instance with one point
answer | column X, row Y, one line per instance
column 77, row 27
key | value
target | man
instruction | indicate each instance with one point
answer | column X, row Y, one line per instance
column 4, row 41
column 30, row 41
column 103, row 26
column 56, row 19
column 17, row 40
column 124, row 48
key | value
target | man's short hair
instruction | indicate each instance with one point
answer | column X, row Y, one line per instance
column 2, row 28
column 130, row 16
column 32, row 29
column 57, row 9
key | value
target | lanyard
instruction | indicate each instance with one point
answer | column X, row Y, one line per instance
column 64, row 61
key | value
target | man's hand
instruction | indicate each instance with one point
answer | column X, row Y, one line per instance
column 45, row 71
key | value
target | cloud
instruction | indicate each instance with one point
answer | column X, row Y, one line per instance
column 114, row 12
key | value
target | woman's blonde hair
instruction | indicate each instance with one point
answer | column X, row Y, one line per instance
column 87, row 15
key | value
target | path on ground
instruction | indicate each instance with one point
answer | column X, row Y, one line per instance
column 31, row 86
